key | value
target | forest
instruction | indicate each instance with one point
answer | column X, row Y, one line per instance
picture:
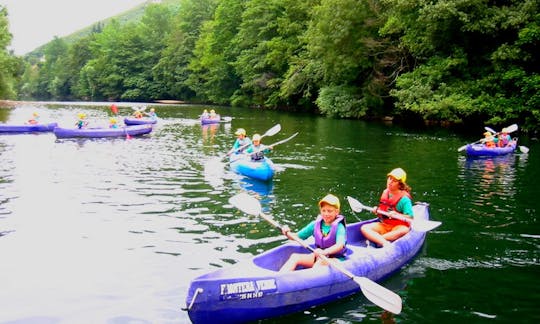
column 450, row 62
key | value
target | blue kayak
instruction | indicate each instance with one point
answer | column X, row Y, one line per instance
column 253, row 289
column 260, row 170
column 30, row 128
column 139, row 121
column 136, row 130
column 483, row 150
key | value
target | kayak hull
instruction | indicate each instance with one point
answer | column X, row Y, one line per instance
column 208, row 120
column 261, row 170
column 139, row 121
column 482, row 150
column 137, row 130
column 253, row 289
column 4, row 128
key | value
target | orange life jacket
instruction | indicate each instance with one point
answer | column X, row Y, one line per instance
column 388, row 203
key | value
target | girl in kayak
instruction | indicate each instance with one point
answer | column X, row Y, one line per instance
column 257, row 150
column 395, row 199
column 81, row 122
column 329, row 232
column 34, row 120
column 242, row 142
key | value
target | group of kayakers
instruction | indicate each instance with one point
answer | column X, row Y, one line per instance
column 253, row 147
column 329, row 228
column 113, row 122
column 501, row 140
column 211, row 115
column 140, row 113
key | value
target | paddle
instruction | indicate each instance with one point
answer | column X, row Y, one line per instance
column 272, row 131
column 285, row 140
column 417, row 224
column 524, row 149
column 374, row 292
column 490, row 130
column 509, row 129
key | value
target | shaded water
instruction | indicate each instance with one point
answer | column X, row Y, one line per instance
column 112, row 231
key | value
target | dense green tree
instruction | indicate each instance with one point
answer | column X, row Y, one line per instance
column 10, row 66
column 475, row 59
column 212, row 76
column 459, row 61
column 268, row 38
column 173, row 67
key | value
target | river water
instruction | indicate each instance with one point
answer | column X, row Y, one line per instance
column 112, row 231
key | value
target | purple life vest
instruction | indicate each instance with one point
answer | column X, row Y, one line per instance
column 327, row 241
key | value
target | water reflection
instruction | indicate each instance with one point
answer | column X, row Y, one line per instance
column 491, row 180
column 208, row 133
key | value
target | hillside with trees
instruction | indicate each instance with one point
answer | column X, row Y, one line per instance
column 455, row 62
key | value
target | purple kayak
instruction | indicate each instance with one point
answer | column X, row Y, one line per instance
column 30, row 128
column 483, row 150
column 253, row 289
column 139, row 121
column 102, row 132
column 210, row 120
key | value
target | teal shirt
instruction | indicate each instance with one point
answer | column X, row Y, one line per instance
column 404, row 206
column 307, row 231
column 239, row 143
column 260, row 148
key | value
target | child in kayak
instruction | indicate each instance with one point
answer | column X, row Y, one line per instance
column 242, row 142
column 34, row 120
column 395, row 199
column 152, row 114
column 329, row 232
column 113, row 123
column 257, row 150
column 489, row 140
column 81, row 122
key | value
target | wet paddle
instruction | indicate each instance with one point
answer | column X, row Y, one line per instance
column 490, row 130
column 419, row 225
column 374, row 292
column 524, row 149
column 284, row 140
column 510, row 129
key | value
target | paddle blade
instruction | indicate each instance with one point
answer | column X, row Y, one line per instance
column 379, row 295
column 490, row 130
column 246, row 203
column 424, row 225
column 512, row 128
column 524, row 149
column 272, row 131
column 462, row 148
column 356, row 206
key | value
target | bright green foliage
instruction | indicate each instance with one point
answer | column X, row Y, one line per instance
column 458, row 61
column 173, row 67
column 213, row 77
column 267, row 39
column 475, row 59
column 9, row 65
column 341, row 101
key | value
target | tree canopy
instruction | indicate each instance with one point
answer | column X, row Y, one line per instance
column 459, row 62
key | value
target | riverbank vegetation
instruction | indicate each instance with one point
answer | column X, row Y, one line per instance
column 457, row 62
